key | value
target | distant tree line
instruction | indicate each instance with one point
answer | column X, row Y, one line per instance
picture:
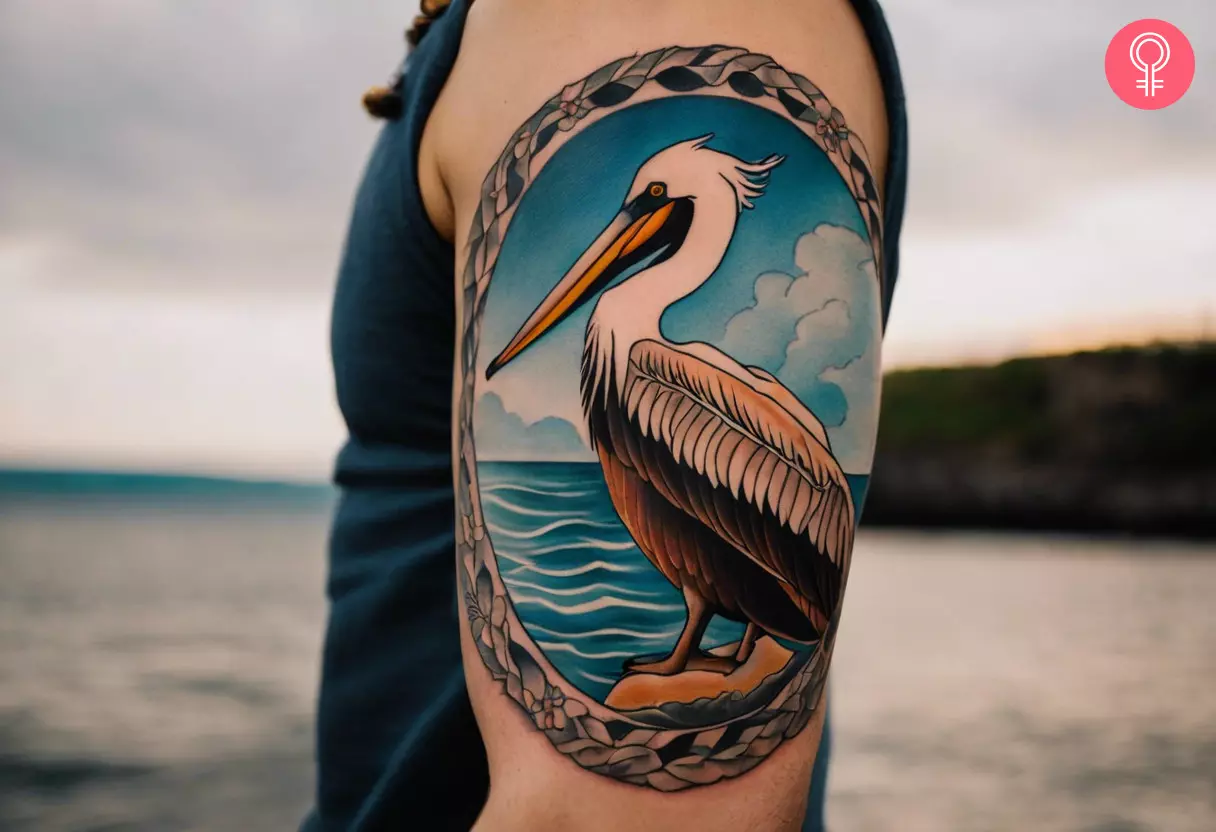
column 1118, row 439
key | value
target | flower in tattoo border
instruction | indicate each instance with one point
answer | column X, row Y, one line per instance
column 830, row 132
column 573, row 105
column 547, row 712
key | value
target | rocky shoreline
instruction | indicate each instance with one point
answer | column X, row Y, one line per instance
column 698, row 697
column 927, row 493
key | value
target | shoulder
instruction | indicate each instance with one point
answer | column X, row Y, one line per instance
column 517, row 54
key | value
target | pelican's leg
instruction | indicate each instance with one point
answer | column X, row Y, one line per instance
column 748, row 644
column 687, row 647
column 687, row 653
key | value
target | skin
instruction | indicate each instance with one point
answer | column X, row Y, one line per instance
column 532, row 48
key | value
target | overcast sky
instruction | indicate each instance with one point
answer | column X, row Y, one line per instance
column 175, row 177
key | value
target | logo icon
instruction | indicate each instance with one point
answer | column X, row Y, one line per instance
column 1150, row 83
column 1150, row 64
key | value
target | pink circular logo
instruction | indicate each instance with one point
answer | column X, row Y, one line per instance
column 1150, row 64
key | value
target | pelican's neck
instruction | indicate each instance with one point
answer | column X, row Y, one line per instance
column 631, row 311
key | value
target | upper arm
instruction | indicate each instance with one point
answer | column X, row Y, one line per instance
column 605, row 501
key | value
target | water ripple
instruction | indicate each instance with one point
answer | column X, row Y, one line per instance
column 603, row 680
column 660, row 635
column 554, row 526
column 562, row 647
column 592, row 566
column 583, row 590
column 585, row 543
column 530, row 512
column 594, row 606
column 492, row 489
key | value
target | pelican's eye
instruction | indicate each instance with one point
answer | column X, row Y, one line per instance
column 657, row 189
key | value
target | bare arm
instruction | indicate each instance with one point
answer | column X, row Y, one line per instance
column 666, row 393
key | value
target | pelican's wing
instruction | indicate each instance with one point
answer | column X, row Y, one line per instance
column 750, row 437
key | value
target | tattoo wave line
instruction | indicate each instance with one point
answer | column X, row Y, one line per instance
column 552, row 527
column 556, row 646
column 596, row 605
column 494, row 489
column 592, row 566
column 583, row 590
column 581, row 543
column 528, row 512
column 620, row 632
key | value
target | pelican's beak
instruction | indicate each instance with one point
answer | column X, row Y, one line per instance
column 630, row 238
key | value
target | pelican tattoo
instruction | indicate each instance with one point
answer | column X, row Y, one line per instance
column 724, row 479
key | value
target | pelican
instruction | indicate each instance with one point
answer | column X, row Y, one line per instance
column 724, row 479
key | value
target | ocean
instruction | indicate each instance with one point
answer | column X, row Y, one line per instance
column 586, row 594
column 159, row 658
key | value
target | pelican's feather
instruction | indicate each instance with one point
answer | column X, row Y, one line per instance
column 740, row 455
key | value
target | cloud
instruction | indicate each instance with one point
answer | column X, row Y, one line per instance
column 503, row 435
column 170, row 161
column 816, row 332
column 188, row 146
column 1010, row 112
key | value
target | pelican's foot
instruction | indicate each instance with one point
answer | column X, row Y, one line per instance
column 672, row 665
column 669, row 666
column 714, row 664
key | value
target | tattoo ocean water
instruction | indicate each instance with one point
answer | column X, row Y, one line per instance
column 668, row 410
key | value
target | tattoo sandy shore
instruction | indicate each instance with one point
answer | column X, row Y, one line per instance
column 655, row 532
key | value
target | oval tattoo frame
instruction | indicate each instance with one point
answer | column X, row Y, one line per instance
column 591, row 734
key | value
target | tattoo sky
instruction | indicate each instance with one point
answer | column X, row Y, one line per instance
column 773, row 300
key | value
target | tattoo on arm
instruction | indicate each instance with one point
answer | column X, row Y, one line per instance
column 667, row 410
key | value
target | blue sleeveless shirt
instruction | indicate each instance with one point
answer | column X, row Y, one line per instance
column 397, row 745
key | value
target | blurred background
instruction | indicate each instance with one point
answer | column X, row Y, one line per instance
column 1030, row 639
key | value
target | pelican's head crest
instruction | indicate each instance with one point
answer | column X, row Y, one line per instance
column 690, row 169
